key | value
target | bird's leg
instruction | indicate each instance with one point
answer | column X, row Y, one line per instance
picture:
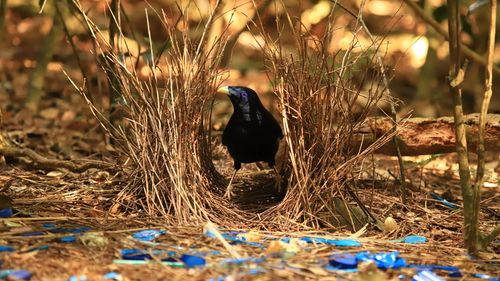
column 277, row 184
column 229, row 188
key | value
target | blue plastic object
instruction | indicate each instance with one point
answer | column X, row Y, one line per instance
column 413, row 239
column 15, row 274
column 6, row 213
column 148, row 234
column 49, row 225
column 383, row 260
column 191, row 261
column 485, row 276
column 432, row 267
column 112, row 276
column 135, row 254
column 68, row 239
column 4, row 248
column 336, row 269
column 343, row 261
column 426, row 275
column 444, row 201
column 39, row 248
column 80, row 229
column 319, row 240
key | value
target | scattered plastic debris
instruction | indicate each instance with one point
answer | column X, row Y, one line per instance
column 4, row 248
column 6, row 213
column 80, row 229
column 15, row 274
column 413, row 239
column 68, row 239
column 39, row 248
column 148, row 234
column 136, row 254
column 78, row 278
column 343, row 261
column 485, row 276
column 426, row 275
column 383, row 260
column 113, row 276
column 49, row 225
column 444, row 201
column 192, row 261
column 327, row 241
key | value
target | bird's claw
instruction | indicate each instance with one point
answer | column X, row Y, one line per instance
column 228, row 195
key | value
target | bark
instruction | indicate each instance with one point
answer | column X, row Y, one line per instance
column 421, row 136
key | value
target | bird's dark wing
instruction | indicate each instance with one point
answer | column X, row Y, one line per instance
column 272, row 126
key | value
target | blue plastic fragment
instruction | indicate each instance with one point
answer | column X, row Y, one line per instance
column 412, row 239
column 444, row 201
column 68, row 239
column 39, row 248
column 135, row 254
column 6, row 213
column 191, row 261
column 15, row 274
column 112, row 276
column 426, row 275
column 49, row 225
column 336, row 269
column 343, row 261
column 432, row 267
column 485, row 276
column 4, row 248
column 383, row 260
column 327, row 241
column 79, row 229
column 148, row 234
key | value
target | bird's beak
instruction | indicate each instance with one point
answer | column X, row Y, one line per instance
column 223, row 90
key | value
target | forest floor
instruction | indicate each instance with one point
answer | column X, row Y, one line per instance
column 65, row 225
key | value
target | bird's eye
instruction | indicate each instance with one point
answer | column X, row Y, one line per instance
column 244, row 95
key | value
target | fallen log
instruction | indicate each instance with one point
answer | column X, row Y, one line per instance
column 422, row 136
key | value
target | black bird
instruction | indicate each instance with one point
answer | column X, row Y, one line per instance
column 252, row 134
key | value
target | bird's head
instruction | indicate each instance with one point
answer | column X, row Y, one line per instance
column 238, row 95
column 245, row 101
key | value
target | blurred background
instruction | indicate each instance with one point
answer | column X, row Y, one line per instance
column 38, row 40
